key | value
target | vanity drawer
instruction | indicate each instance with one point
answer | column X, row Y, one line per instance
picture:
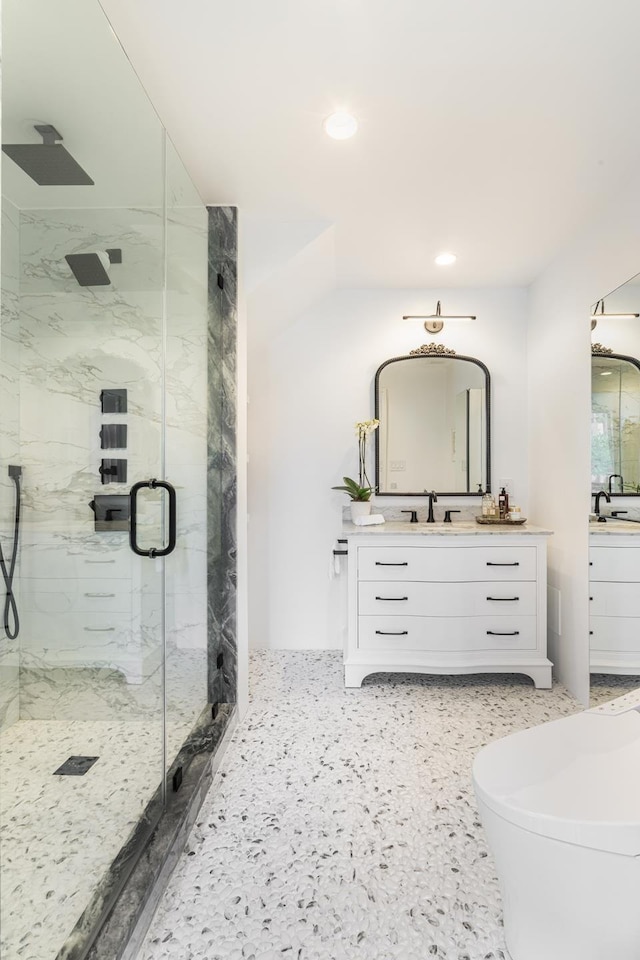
column 440, row 564
column 412, row 598
column 609, row 599
column 76, row 633
column 615, row 634
column 81, row 596
column 446, row 634
column 621, row 564
column 43, row 561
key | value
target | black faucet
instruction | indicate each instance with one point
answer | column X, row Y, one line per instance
column 432, row 499
column 601, row 493
column 414, row 515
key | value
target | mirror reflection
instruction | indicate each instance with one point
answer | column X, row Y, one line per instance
column 614, row 556
column 615, row 424
column 433, row 435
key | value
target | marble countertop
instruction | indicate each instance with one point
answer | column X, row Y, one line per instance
column 614, row 528
column 460, row 529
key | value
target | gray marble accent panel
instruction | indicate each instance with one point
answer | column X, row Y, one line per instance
column 222, row 467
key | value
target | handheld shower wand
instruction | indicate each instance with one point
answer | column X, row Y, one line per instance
column 10, row 605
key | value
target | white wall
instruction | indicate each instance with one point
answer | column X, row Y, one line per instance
column 241, row 514
column 605, row 255
column 314, row 379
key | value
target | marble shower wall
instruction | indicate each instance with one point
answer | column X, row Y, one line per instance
column 75, row 342
column 222, row 469
column 9, row 451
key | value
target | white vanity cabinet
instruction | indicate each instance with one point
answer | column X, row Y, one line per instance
column 446, row 602
column 614, row 598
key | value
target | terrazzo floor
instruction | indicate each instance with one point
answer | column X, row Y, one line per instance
column 58, row 835
column 605, row 687
column 342, row 823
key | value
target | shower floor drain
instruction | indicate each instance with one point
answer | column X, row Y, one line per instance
column 75, row 767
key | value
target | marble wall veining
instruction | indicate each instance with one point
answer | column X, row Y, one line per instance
column 222, row 470
column 10, row 406
column 74, row 342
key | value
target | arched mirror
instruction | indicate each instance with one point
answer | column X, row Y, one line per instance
column 615, row 423
column 434, row 412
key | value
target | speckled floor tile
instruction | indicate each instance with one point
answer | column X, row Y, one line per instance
column 58, row 835
column 342, row 824
column 608, row 686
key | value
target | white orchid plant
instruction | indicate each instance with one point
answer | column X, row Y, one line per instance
column 361, row 490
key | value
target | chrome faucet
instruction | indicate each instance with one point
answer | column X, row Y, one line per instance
column 601, row 493
column 432, row 499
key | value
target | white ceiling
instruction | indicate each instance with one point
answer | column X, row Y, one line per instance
column 494, row 128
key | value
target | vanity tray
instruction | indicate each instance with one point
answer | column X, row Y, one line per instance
column 504, row 523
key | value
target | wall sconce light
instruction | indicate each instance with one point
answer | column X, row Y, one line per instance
column 433, row 322
column 598, row 314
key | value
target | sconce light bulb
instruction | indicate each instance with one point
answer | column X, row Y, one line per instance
column 445, row 259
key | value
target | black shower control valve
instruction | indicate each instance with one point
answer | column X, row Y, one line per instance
column 113, row 401
column 113, row 435
column 113, row 471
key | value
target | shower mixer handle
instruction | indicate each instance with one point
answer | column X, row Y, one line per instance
column 133, row 514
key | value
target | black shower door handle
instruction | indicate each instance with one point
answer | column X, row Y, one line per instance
column 133, row 524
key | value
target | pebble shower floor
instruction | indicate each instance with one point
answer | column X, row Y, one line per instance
column 342, row 824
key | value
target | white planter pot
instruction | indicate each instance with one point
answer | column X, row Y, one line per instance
column 360, row 508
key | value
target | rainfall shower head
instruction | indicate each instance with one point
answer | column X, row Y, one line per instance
column 48, row 163
column 90, row 269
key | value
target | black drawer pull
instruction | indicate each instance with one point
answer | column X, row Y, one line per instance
column 392, row 598
column 515, row 564
column 379, row 563
column 503, row 633
column 392, row 633
column 504, row 599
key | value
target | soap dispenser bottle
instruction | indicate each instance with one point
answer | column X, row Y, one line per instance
column 503, row 504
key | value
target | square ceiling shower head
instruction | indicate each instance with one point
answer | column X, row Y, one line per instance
column 48, row 163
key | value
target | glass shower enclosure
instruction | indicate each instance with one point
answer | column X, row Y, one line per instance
column 103, row 470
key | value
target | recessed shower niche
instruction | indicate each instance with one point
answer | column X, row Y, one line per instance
column 104, row 385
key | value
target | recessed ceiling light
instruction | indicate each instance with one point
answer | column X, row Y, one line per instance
column 340, row 125
column 445, row 259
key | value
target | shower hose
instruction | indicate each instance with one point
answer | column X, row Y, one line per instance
column 10, row 605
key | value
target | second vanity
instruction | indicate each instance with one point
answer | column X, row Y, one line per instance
column 614, row 595
column 447, row 599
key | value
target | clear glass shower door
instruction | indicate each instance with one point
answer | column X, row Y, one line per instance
column 82, row 417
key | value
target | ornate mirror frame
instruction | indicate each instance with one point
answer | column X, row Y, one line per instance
column 433, row 350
